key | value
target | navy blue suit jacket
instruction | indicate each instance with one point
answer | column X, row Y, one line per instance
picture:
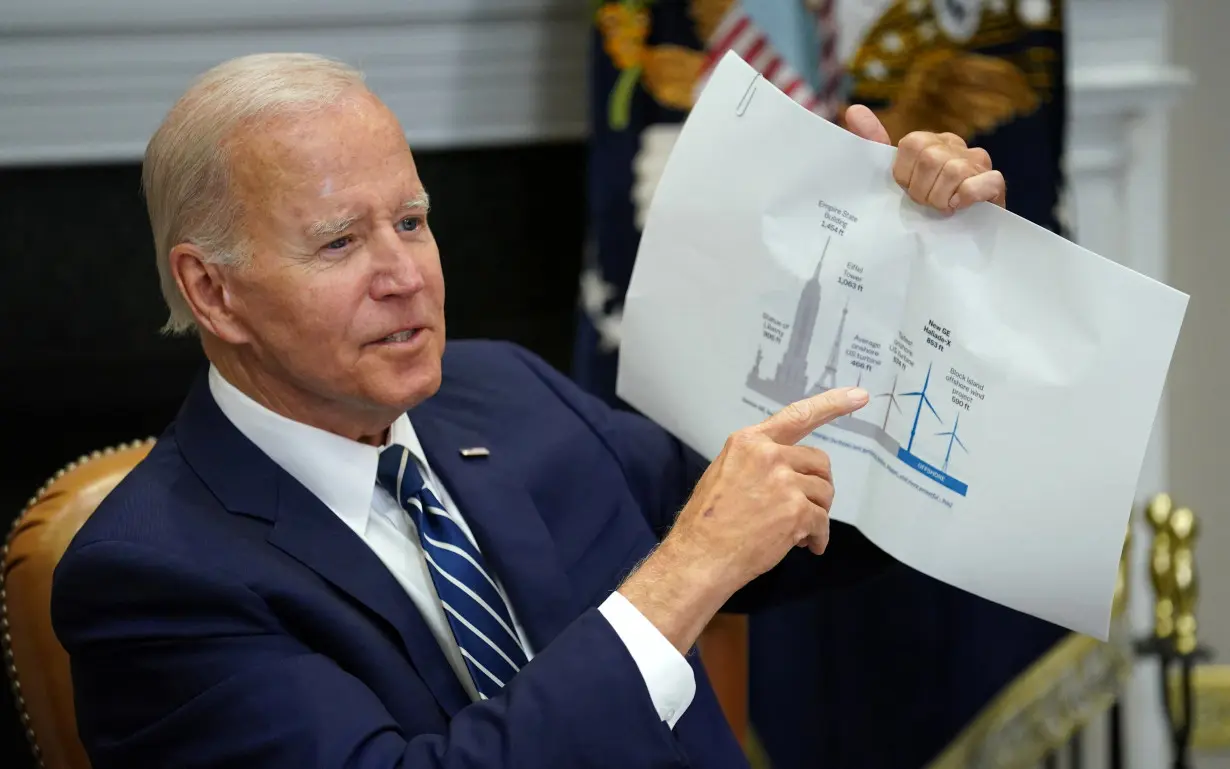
column 217, row 614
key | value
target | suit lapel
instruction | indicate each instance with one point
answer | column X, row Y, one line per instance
column 246, row 481
column 510, row 532
column 309, row 532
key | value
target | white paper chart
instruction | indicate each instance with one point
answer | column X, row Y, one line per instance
column 1014, row 376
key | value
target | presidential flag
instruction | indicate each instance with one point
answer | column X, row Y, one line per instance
column 885, row 674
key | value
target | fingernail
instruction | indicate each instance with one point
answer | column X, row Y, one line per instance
column 954, row 201
column 857, row 396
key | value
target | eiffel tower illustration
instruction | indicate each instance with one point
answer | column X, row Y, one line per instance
column 828, row 378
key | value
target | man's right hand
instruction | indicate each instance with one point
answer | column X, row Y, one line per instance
column 760, row 497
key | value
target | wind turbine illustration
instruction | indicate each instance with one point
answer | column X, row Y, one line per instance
column 922, row 399
column 952, row 438
column 892, row 403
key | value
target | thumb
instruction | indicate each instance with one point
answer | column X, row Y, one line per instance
column 861, row 121
column 796, row 421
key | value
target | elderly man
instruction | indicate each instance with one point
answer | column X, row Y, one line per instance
column 353, row 549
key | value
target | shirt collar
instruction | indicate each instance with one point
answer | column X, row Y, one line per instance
column 338, row 471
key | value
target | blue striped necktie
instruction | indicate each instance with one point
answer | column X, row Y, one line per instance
column 475, row 609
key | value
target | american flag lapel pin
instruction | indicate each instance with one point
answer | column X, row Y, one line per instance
column 475, row 451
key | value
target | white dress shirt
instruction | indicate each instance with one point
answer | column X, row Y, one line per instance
column 342, row 474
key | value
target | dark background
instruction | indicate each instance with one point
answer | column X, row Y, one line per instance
column 84, row 365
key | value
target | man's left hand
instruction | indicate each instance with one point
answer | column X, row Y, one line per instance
column 936, row 170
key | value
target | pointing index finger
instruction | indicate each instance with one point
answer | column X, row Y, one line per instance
column 799, row 419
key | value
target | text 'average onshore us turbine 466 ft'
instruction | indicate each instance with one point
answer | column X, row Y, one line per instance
column 1014, row 376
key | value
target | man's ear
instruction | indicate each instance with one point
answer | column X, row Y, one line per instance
column 205, row 287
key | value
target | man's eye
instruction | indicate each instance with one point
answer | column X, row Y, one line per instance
column 338, row 244
column 411, row 223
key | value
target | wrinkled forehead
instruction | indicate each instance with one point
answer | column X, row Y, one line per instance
column 297, row 163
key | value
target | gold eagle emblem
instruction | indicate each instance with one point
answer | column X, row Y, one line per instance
column 928, row 81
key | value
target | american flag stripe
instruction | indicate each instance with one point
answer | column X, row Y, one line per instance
column 726, row 34
column 753, row 53
column 830, row 66
column 737, row 32
column 770, row 69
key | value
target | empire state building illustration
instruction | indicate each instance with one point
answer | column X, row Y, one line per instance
column 789, row 382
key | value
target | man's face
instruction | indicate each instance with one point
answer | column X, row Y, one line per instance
column 342, row 305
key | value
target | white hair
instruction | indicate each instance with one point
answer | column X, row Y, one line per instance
column 185, row 176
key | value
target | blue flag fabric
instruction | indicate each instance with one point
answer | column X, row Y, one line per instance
column 886, row 674
column 634, row 44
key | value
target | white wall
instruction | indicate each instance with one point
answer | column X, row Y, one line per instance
column 1121, row 84
column 1200, row 264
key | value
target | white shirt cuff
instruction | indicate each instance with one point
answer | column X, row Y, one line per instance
column 668, row 676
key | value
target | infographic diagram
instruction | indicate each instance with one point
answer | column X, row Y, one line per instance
column 921, row 400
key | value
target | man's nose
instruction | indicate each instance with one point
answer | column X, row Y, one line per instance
column 397, row 269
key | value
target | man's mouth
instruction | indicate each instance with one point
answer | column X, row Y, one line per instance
column 401, row 336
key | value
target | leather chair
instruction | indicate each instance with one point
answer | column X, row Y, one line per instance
column 36, row 663
column 38, row 666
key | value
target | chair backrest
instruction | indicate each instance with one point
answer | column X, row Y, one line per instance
column 36, row 663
